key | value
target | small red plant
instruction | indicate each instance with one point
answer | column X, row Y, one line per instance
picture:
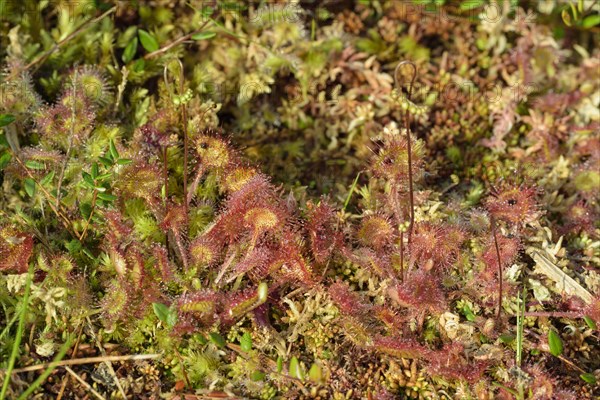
column 400, row 347
column 15, row 250
column 420, row 293
column 451, row 362
column 347, row 301
column 321, row 227
column 435, row 245
column 509, row 248
column 376, row 231
column 515, row 204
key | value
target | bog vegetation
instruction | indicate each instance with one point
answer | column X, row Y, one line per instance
column 329, row 200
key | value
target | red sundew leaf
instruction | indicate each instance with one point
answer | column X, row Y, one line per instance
column 436, row 245
column 515, row 204
column 16, row 249
column 378, row 263
column 509, row 251
column 201, row 303
column 399, row 347
column 140, row 180
column 117, row 229
column 258, row 256
column 348, row 301
column 175, row 219
column 204, row 251
column 452, row 363
column 162, row 262
column 376, row 232
column 322, row 230
column 420, row 292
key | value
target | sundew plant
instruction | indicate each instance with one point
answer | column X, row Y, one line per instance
column 300, row 200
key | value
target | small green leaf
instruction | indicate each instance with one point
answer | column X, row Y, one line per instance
column 95, row 170
column 104, row 176
column 130, row 50
column 106, row 196
column 471, row 4
column 315, row 373
column 204, row 35
column 6, row 119
column 591, row 21
column 148, row 41
column 48, row 178
column 590, row 322
column 88, row 185
column 507, row 338
column 29, row 186
column 246, row 342
column 35, row 164
column 566, row 17
column 588, row 378
column 468, row 313
column 555, row 343
column 88, row 178
column 217, row 339
column 279, row 364
column 124, row 161
column 295, row 369
column 4, row 160
column 139, row 65
column 201, row 339
column 161, row 311
column 107, row 162
column 257, row 376
column 113, row 150
column 574, row 11
column 85, row 209
column 73, row 246
column 88, row 253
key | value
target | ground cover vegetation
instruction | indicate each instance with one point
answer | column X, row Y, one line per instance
column 304, row 200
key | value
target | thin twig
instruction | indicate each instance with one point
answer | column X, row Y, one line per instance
column 87, row 360
column 61, row 43
column 108, row 363
column 175, row 42
column 65, row 381
column 398, row 217
column 571, row 363
column 166, row 184
column 554, row 314
column 408, row 140
column 84, row 383
column 185, row 375
column 195, row 183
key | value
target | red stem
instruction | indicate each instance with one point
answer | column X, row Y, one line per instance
column 166, row 183
column 408, row 140
column 493, row 227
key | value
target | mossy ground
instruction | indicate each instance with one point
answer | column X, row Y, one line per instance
column 218, row 196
